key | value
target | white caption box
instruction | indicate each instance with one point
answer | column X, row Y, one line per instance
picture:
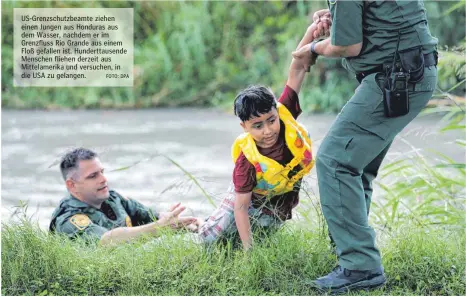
column 73, row 47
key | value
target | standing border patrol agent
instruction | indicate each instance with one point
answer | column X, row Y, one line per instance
column 388, row 46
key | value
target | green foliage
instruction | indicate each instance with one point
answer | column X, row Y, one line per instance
column 448, row 24
column 37, row 263
column 428, row 189
column 452, row 71
column 423, row 194
column 424, row 262
column 202, row 52
column 186, row 53
column 446, row 21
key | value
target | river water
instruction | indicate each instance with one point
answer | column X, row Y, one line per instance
column 198, row 140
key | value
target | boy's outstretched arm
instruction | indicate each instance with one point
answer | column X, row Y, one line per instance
column 316, row 30
column 299, row 66
column 242, row 202
column 298, row 69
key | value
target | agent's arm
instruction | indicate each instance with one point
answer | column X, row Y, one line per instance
column 326, row 49
column 346, row 32
column 124, row 234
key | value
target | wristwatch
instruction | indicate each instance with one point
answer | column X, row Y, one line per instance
column 313, row 45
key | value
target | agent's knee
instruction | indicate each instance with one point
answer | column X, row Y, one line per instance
column 332, row 149
column 326, row 158
column 325, row 167
column 321, row 164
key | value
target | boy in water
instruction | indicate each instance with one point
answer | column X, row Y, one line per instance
column 271, row 158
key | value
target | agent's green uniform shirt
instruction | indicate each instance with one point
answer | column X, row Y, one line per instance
column 376, row 24
column 76, row 218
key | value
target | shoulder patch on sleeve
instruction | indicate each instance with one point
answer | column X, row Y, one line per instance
column 128, row 222
column 80, row 221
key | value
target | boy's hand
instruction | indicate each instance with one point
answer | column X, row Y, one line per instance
column 196, row 226
column 303, row 62
column 305, row 55
column 319, row 28
column 247, row 245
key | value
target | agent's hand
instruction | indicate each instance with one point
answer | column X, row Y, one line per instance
column 173, row 220
column 320, row 13
column 172, row 208
column 323, row 20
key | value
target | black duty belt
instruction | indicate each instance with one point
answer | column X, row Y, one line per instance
column 430, row 59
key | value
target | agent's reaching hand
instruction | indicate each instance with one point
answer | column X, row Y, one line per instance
column 302, row 55
column 323, row 20
column 173, row 220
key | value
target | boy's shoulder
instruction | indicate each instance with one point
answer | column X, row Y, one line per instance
column 274, row 153
column 242, row 163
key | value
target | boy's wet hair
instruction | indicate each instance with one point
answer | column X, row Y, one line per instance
column 70, row 160
column 254, row 101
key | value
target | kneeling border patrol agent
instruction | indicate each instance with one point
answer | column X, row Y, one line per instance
column 93, row 211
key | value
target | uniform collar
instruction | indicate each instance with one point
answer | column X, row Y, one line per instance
column 75, row 202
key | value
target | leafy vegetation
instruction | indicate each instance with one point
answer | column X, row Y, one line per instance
column 201, row 53
column 35, row 262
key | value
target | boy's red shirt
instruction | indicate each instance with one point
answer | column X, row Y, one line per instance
column 244, row 173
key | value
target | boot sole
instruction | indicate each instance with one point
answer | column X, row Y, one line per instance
column 373, row 283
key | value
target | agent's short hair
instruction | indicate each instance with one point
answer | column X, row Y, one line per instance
column 254, row 101
column 70, row 160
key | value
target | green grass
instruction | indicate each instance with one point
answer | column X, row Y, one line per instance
column 37, row 263
column 420, row 224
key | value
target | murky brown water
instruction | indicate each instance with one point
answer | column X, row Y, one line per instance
column 199, row 140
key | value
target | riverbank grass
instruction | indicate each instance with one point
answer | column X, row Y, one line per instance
column 416, row 261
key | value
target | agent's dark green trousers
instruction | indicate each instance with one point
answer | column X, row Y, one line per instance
column 348, row 161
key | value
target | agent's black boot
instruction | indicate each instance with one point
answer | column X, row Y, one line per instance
column 341, row 280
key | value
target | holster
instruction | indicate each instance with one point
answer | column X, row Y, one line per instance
column 430, row 59
column 408, row 68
